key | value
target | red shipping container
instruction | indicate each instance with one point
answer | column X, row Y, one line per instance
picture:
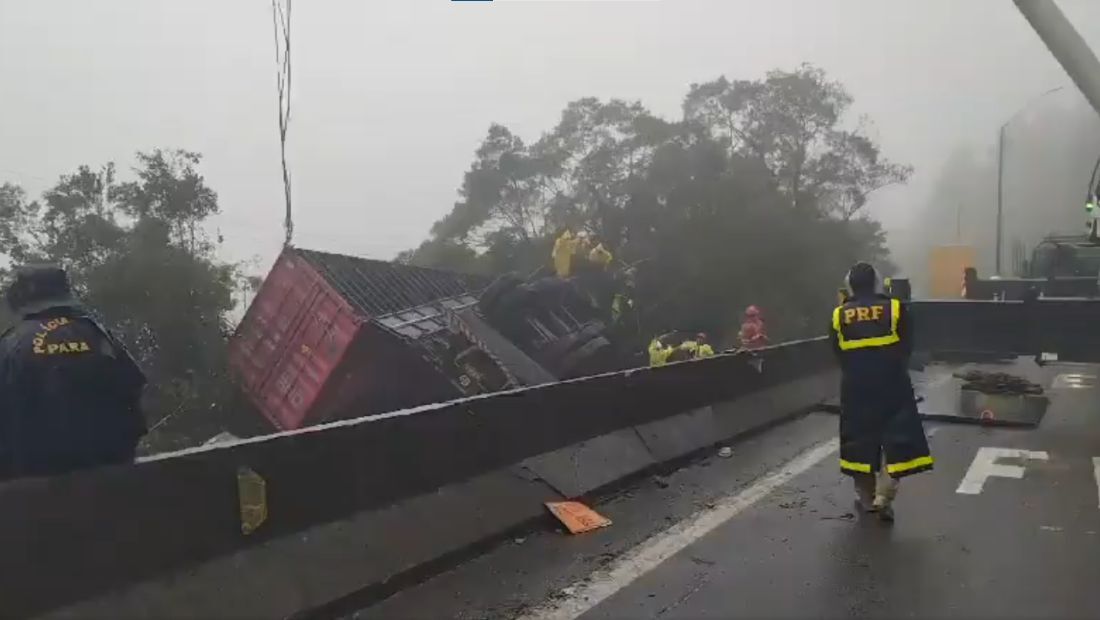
column 308, row 349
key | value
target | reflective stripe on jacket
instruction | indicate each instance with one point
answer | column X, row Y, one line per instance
column 861, row 325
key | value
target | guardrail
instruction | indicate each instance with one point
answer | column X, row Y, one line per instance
column 1069, row 328
column 76, row 537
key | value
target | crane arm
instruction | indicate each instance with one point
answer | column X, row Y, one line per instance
column 1066, row 44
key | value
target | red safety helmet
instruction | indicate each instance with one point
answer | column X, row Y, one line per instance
column 752, row 312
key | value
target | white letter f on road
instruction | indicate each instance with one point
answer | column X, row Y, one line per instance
column 985, row 465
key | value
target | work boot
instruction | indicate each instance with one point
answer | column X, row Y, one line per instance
column 884, row 507
column 865, row 493
column 886, row 489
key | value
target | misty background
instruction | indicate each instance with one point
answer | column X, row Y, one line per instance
column 391, row 99
column 138, row 147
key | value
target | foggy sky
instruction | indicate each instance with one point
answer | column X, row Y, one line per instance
column 392, row 97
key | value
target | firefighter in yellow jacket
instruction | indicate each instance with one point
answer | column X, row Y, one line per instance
column 659, row 351
column 881, row 437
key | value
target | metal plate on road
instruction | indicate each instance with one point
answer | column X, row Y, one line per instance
column 940, row 397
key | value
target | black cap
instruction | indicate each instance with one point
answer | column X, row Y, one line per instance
column 862, row 278
column 39, row 287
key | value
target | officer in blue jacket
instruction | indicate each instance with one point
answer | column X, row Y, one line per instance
column 881, row 437
column 69, row 391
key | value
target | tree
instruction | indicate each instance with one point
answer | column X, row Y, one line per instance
column 16, row 217
column 138, row 255
column 791, row 122
column 754, row 197
column 79, row 225
column 169, row 189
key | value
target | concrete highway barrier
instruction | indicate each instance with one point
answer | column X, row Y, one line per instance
column 358, row 504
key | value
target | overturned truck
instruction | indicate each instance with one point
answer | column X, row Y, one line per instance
column 330, row 336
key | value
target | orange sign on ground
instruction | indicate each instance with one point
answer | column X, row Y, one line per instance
column 577, row 517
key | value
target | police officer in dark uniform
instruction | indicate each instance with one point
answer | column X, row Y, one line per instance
column 69, row 391
column 881, row 437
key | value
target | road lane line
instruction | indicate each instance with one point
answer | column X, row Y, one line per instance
column 648, row 555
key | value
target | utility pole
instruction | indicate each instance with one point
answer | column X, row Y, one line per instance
column 958, row 222
column 1000, row 195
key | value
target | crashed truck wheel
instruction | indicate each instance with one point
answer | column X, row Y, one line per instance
column 564, row 346
column 583, row 358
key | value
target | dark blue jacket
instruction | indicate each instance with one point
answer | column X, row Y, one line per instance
column 69, row 396
column 879, row 415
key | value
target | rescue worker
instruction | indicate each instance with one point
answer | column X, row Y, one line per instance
column 591, row 267
column 659, row 351
column 565, row 246
column 753, row 334
column 583, row 245
column 704, row 349
column 881, row 437
column 621, row 304
column 970, row 276
column 600, row 257
column 697, row 348
column 69, row 391
column 1092, row 213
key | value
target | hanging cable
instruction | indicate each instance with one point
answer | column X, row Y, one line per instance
column 280, row 17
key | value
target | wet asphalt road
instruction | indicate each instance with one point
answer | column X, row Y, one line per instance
column 1027, row 547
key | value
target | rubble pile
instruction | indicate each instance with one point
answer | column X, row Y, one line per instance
column 997, row 383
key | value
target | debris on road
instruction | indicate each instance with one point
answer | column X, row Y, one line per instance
column 997, row 383
column 847, row 516
column 576, row 517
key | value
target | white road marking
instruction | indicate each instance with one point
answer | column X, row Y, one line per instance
column 985, row 465
column 1096, row 472
column 938, row 381
column 602, row 584
column 1072, row 380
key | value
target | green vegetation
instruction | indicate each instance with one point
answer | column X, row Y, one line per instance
column 137, row 253
column 754, row 196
